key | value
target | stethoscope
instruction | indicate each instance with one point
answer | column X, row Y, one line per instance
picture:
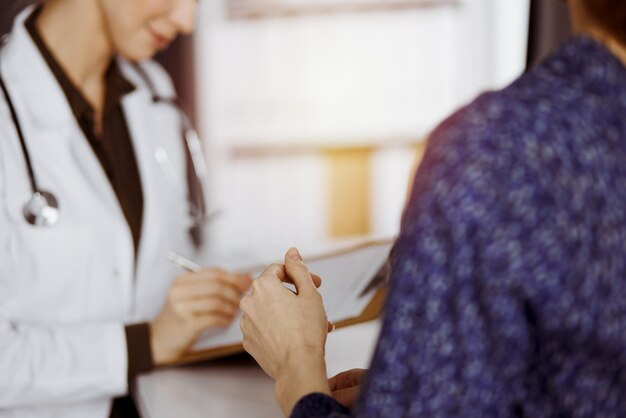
column 42, row 209
column 199, row 171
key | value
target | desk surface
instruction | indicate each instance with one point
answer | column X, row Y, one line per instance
column 236, row 386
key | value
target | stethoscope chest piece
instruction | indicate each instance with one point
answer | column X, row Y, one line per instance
column 42, row 209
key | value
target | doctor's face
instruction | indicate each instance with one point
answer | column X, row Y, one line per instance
column 138, row 29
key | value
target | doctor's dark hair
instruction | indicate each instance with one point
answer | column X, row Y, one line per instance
column 10, row 9
column 611, row 15
column 22, row 4
column 25, row 3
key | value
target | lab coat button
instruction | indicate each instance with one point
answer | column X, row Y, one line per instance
column 116, row 274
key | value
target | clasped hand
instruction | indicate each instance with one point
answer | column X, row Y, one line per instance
column 278, row 325
column 286, row 333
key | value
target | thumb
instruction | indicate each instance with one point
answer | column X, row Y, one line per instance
column 297, row 271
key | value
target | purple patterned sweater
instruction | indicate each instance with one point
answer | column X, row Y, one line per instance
column 508, row 293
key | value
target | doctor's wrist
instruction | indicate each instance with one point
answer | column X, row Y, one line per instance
column 161, row 353
column 165, row 345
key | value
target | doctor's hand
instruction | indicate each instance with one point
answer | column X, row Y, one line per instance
column 345, row 386
column 195, row 303
column 286, row 332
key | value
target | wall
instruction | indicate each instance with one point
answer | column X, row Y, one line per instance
column 278, row 95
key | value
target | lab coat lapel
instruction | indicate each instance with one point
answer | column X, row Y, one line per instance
column 156, row 136
column 26, row 71
column 51, row 125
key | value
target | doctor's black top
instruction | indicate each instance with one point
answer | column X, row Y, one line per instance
column 114, row 149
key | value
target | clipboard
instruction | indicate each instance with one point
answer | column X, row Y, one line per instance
column 371, row 290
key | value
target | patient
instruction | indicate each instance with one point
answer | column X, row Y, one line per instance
column 508, row 293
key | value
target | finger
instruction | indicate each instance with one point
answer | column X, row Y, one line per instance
column 241, row 281
column 346, row 379
column 244, row 304
column 242, row 325
column 272, row 277
column 204, row 289
column 317, row 280
column 298, row 272
column 204, row 274
column 213, row 306
column 276, row 270
column 206, row 322
column 193, row 280
column 347, row 397
column 335, row 383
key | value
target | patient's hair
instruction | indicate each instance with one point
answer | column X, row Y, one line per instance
column 611, row 15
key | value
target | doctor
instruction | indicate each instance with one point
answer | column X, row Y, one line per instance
column 94, row 193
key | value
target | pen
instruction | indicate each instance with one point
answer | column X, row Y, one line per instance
column 184, row 262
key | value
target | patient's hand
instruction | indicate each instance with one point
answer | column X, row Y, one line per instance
column 285, row 331
column 345, row 386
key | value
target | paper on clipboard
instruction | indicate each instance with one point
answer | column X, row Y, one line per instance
column 345, row 274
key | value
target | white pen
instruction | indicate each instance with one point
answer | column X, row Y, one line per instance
column 184, row 262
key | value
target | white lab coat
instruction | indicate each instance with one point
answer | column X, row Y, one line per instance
column 66, row 291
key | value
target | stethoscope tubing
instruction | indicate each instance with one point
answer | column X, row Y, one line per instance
column 20, row 133
column 191, row 142
column 41, row 199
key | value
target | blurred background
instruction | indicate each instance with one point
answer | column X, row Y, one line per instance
column 314, row 113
